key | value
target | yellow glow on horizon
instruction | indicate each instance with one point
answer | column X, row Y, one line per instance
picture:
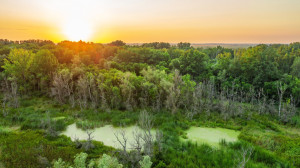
column 77, row 29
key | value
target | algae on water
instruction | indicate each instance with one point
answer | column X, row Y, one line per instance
column 105, row 134
column 211, row 136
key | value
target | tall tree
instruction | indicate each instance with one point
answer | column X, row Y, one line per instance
column 18, row 64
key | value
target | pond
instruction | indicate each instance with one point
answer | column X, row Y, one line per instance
column 105, row 134
column 211, row 136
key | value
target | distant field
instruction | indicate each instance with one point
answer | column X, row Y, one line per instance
column 233, row 46
column 210, row 45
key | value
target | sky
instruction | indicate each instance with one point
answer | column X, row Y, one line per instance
column 137, row 21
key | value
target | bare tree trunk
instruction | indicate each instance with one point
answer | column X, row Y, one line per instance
column 280, row 90
column 89, row 144
column 173, row 98
column 245, row 155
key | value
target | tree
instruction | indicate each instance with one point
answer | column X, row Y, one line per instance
column 87, row 91
column 43, row 66
column 281, row 88
column 18, row 64
column 157, row 45
column 59, row 164
column 80, row 160
column 146, row 123
column 173, row 98
column 89, row 144
column 10, row 93
column 107, row 161
column 127, row 89
column 146, row 162
column 296, row 67
column 223, row 61
column 117, row 43
column 156, row 88
column 82, row 92
column 256, row 65
column 143, row 141
column 50, row 126
column 184, row 45
column 194, row 63
column 187, row 88
column 245, row 155
column 2, row 57
column 62, row 87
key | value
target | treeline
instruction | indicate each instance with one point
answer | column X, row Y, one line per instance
column 155, row 75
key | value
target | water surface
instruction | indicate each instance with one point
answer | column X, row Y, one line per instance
column 211, row 136
column 105, row 134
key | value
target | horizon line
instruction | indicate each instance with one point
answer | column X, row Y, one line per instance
column 252, row 43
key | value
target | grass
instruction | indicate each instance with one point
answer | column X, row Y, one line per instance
column 23, row 148
column 88, row 124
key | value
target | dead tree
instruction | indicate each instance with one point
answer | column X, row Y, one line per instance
column 143, row 143
column 14, row 94
column 261, row 101
column 82, row 90
column 280, row 90
column 122, row 139
column 102, row 93
column 92, row 90
column 159, row 140
column 5, row 89
column 50, row 126
column 158, row 102
column 4, row 110
column 127, row 90
column 77, row 142
column 244, row 157
column 137, row 144
column 288, row 110
column 89, row 144
column 63, row 87
column 10, row 95
column 145, row 122
column 173, row 98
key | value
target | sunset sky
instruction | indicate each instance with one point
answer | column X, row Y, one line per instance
column 202, row 21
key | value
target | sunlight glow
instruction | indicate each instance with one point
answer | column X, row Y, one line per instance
column 76, row 30
column 138, row 21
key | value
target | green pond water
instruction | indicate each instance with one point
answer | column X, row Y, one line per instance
column 211, row 136
column 105, row 134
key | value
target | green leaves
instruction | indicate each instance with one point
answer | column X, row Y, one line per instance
column 146, row 162
column 108, row 162
column 18, row 63
column 195, row 63
column 18, row 66
column 296, row 67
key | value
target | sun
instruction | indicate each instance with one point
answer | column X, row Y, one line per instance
column 76, row 30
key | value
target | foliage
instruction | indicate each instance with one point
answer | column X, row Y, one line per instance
column 146, row 162
column 117, row 43
column 296, row 67
column 105, row 161
column 20, row 149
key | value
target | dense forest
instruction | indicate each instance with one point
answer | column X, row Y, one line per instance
column 156, row 86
